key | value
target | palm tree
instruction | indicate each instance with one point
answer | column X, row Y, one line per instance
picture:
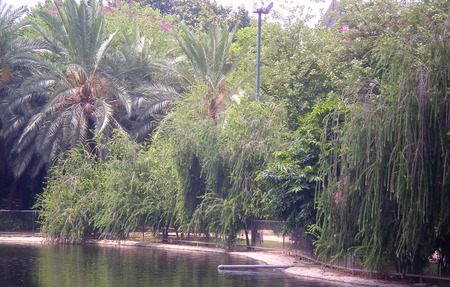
column 17, row 52
column 210, row 62
column 69, row 99
column 191, row 129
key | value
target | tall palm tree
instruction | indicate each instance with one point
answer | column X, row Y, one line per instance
column 70, row 99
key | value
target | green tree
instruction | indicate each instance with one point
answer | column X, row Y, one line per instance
column 159, row 175
column 250, row 133
column 201, row 14
column 386, row 176
column 187, row 134
column 136, row 186
column 295, row 172
column 124, row 17
column 299, row 66
column 216, row 161
column 164, row 6
column 68, row 201
column 130, row 186
column 87, row 194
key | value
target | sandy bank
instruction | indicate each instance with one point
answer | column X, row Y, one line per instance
column 313, row 272
column 270, row 258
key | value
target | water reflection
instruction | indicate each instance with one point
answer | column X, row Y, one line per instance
column 23, row 265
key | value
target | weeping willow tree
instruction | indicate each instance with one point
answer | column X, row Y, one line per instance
column 215, row 161
column 86, row 194
column 250, row 133
column 190, row 139
column 386, row 175
column 110, row 196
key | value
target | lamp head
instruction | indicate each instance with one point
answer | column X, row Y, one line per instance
column 268, row 8
column 261, row 9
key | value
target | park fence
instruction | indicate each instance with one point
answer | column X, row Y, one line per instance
column 19, row 221
column 270, row 235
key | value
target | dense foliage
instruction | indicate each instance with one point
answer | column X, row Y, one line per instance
column 144, row 113
column 294, row 175
column 200, row 14
column 109, row 196
column 385, row 183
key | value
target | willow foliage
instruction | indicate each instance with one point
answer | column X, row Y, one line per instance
column 66, row 203
column 109, row 196
column 386, row 180
column 249, row 134
column 216, row 160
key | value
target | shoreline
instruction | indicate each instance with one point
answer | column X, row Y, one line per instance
column 315, row 272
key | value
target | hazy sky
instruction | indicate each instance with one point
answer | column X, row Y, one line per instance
column 235, row 3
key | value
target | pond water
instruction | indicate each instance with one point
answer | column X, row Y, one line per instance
column 49, row 265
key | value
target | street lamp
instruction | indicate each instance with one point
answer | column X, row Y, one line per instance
column 260, row 9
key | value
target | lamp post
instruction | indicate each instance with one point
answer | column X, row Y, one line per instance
column 260, row 9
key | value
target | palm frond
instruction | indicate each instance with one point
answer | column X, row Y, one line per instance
column 32, row 125
column 195, row 49
column 77, row 127
column 123, row 97
column 31, row 86
column 145, row 128
column 103, row 114
column 22, row 160
column 100, row 53
column 51, row 133
column 9, row 15
column 154, row 99
column 10, row 25
column 11, row 105
column 55, row 34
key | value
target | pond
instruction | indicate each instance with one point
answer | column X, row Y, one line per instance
column 51, row 265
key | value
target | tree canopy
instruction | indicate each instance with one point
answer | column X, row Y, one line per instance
column 143, row 113
column 386, row 175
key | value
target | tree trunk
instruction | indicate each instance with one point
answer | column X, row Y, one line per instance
column 246, row 237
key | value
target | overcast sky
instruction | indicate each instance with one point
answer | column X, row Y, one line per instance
column 235, row 3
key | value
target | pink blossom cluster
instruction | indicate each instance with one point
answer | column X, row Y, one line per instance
column 338, row 195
